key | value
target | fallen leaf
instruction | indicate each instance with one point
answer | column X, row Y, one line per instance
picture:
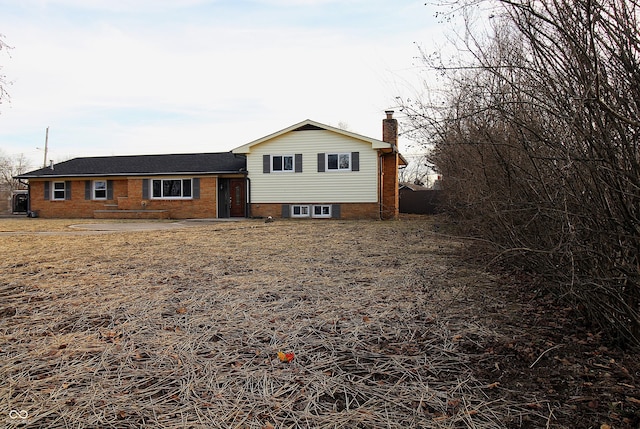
column 605, row 426
column 285, row 357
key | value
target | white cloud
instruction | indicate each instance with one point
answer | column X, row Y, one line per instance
column 127, row 84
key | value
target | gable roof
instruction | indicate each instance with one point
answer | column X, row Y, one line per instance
column 144, row 165
column 308, row 124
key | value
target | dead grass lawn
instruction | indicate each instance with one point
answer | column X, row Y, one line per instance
column 181, row 328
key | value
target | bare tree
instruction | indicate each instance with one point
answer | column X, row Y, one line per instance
column 11, row 166
column 538, row 140
column 4, row 83
column 418, row 171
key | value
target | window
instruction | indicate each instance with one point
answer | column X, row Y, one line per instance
column 59, row 191
column 99, row 189
column 311, row 210
column 321, row 211
column 282, row 163
column 171, row 188
column 300, row 211
column 338, row 161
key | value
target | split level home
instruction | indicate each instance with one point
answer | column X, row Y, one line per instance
column 308, row 170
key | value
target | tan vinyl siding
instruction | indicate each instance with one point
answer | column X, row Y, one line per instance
column 310, row 186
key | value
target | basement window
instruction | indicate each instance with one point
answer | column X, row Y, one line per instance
column 299, row 211
column 171, row 188
column 322, row 211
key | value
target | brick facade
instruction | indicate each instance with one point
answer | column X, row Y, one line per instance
column 127, row 199
column 347, row 210
column 390, row 186
column 390, row 164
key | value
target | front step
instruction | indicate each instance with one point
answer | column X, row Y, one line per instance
column 131, row 214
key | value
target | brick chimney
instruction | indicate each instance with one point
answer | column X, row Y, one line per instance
column 389, row 187
column 390, row 129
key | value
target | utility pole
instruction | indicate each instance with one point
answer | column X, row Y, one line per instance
column 46, row 148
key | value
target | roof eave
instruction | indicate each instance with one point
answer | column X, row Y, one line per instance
column 168, row 173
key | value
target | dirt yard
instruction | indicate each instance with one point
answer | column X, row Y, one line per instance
column 379, row 325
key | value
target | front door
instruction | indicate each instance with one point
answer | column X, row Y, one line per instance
column 237, row 198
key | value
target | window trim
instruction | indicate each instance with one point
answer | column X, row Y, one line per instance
column 338, row 154
column 303, row 207
column 293, row 163
column 182, row 180
column 54, row 191
column 94, row 190
column 321, row 215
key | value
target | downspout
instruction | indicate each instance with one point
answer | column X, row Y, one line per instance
column 247, row 209
column 380, row 185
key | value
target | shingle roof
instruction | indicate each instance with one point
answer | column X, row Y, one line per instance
column 138, row 165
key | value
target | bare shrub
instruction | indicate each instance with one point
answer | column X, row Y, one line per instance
column 538, row 143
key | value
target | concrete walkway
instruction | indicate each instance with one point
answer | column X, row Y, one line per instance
column 149, row 226
column 128, row 226
column 110, row 227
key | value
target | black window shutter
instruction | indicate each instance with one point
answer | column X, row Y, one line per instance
column 67, row 190
column 355, row 161
column 298, row 162
column 87, row 189
column 145, row 189
column 196, row 188
column 47, row 186
column 335, row 211
column 109, row 189
column 266, row 163
column 286, row 210
column 320, row 162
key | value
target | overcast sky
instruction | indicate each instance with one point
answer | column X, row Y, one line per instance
column 121, row 77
